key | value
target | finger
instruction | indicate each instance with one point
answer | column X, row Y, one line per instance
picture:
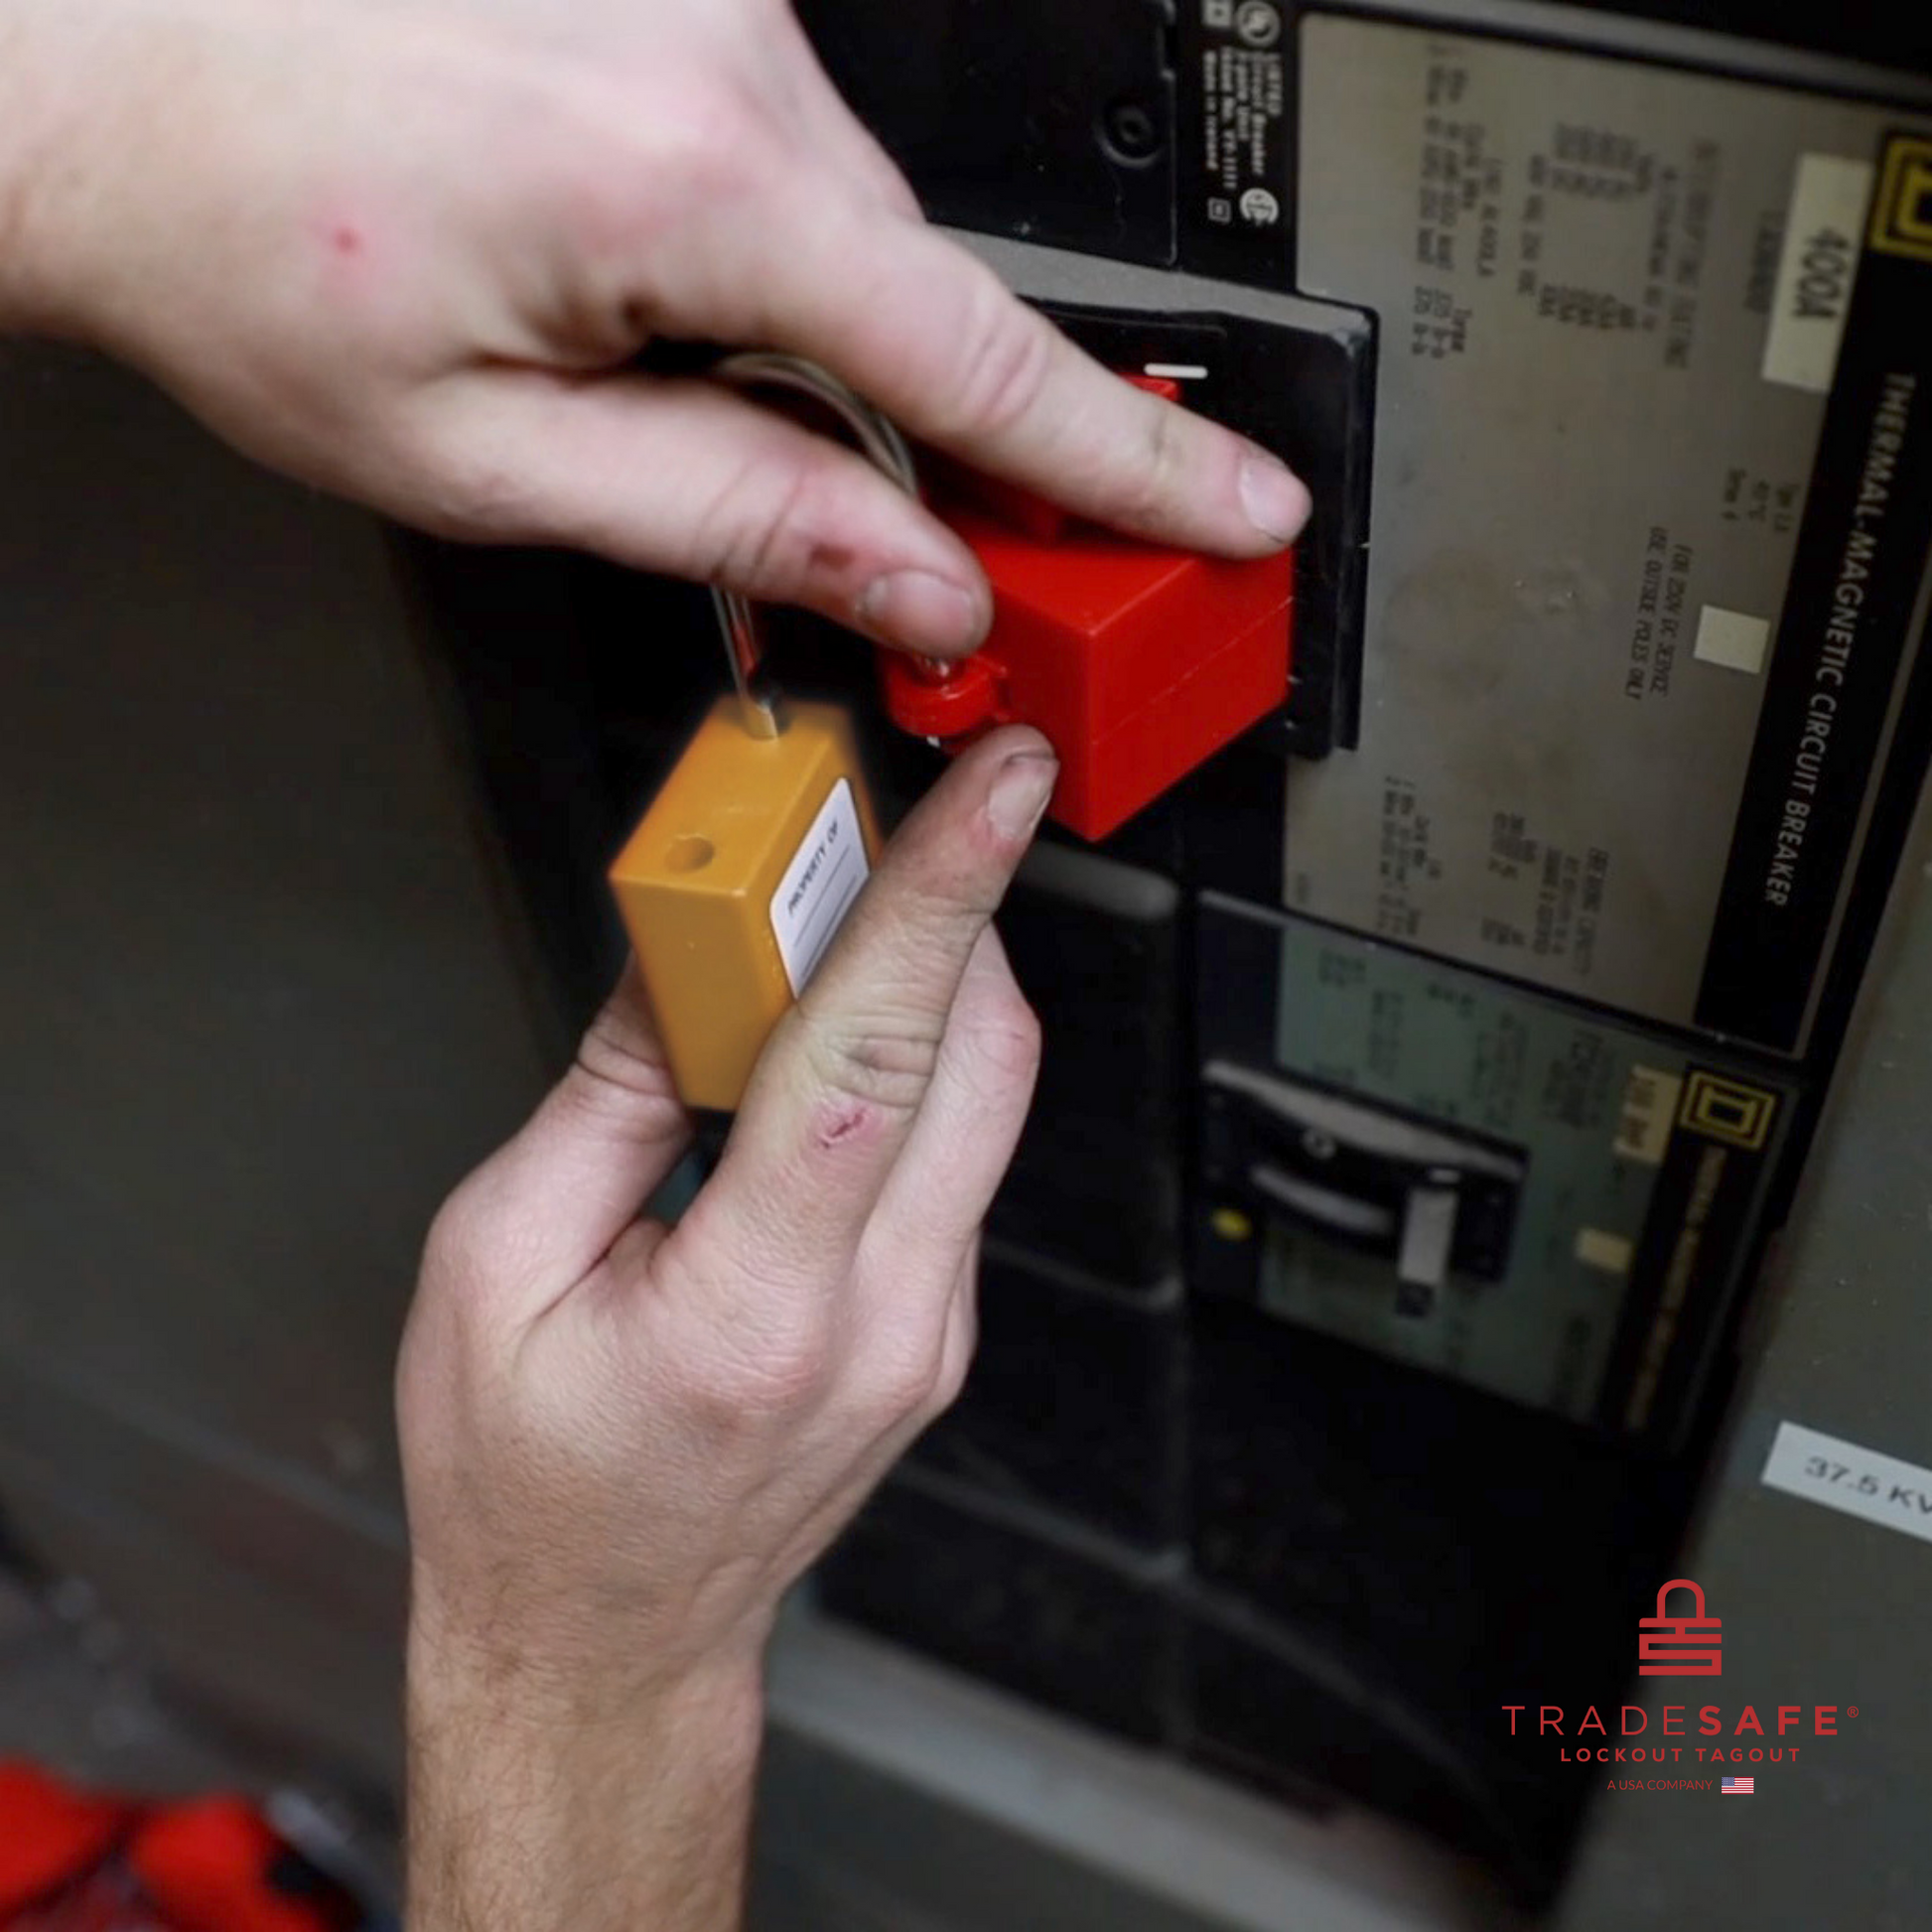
column 962, row 1143
column 686, row 478
column 548, row 1207
column 843, row 1078
column 947, row 1352
column 947, row 1355
column 935, row 338
column 960, row 1338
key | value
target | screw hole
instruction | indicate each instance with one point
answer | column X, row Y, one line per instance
column 1131, row 132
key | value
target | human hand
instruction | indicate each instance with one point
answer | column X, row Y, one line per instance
column 405, row 250
column 623, row 1443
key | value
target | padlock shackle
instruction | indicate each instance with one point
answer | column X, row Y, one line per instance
column 877, row 437
column 758, row 698
column 880, row 443
column 1663, row 1597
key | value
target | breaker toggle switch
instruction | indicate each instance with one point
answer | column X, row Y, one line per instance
column 1432, row 1200
column 1137, row 663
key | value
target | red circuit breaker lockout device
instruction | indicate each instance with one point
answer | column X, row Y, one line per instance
column 1137, row 663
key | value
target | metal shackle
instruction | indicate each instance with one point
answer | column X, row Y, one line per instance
column 880, row 443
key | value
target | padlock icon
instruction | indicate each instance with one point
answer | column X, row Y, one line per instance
column 1680, row 1646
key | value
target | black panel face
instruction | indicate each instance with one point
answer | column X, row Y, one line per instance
column 1360, row 1308
column 1078, row 1627
column 1096, row 1186
column 1073, row 1405
column 1860, row 29
column 1357, row 1611
column 1074, row 97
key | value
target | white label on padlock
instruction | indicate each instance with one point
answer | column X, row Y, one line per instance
column 1860, row 1482
column 819, row 886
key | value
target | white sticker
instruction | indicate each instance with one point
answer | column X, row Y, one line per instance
column 1732, row 639
column 819, row 886
column 1609, row 1254
column 1648, row 1114
column 1816, row 270
column 1860, row 1482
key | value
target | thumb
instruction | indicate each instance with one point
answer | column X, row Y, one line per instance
column 684, row 477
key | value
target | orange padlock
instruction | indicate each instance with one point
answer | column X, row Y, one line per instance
column 738, row 876
column 1681, row 1646
column 735, row 883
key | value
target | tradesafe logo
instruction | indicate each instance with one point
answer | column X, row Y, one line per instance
column 1687, row 1644
column 1681, row 1646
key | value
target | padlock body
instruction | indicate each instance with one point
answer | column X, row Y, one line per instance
column 1680, row 1646
column 722, row 948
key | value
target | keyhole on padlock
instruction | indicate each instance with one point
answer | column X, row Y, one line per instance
column 690, row 853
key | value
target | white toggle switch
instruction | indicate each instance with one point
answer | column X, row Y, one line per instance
column 1428, row 1236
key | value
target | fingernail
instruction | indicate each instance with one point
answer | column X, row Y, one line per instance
column 1021, row 789
column 925, row 613
column 1276, row 499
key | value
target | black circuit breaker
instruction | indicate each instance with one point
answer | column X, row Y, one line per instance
column 1425, row 1075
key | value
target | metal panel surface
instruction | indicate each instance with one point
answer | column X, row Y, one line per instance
column 1817, row 1607
column 1612, row 298
column 259, row 1007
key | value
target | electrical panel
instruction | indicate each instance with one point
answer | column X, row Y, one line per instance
column 1426, row 1076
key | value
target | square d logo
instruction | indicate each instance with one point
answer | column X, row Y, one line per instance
column 1728, row 1111
column 1902, row 213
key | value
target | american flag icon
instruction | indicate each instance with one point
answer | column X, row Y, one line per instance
column 1739, row 1788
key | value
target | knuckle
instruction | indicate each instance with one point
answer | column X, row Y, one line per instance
column 712, row 138
column 459, row 485
column 785, row 1370
column 616, row 1059
column 882, row 1062
column 479, row 1247
column 900, row 1385
column 759, row 531
column 455, row 1242
column 664, row 138
column 950, row 1380
column 998, row 1054
column 1011, row 1041
column 1002, row 365
column 648, row 165
column 955, row 1355
column 1146, row 494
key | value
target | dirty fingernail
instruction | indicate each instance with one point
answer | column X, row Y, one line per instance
column 925, row 613
column 1020, row 791
column 1276, row 499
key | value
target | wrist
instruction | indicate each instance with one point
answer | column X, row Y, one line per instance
column 554, row 1659
column 534, row 1799
column 542, row 1688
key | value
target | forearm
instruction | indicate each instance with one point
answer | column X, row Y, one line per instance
column 525, row 1814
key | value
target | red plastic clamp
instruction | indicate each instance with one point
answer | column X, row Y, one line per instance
column 1137, row 663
